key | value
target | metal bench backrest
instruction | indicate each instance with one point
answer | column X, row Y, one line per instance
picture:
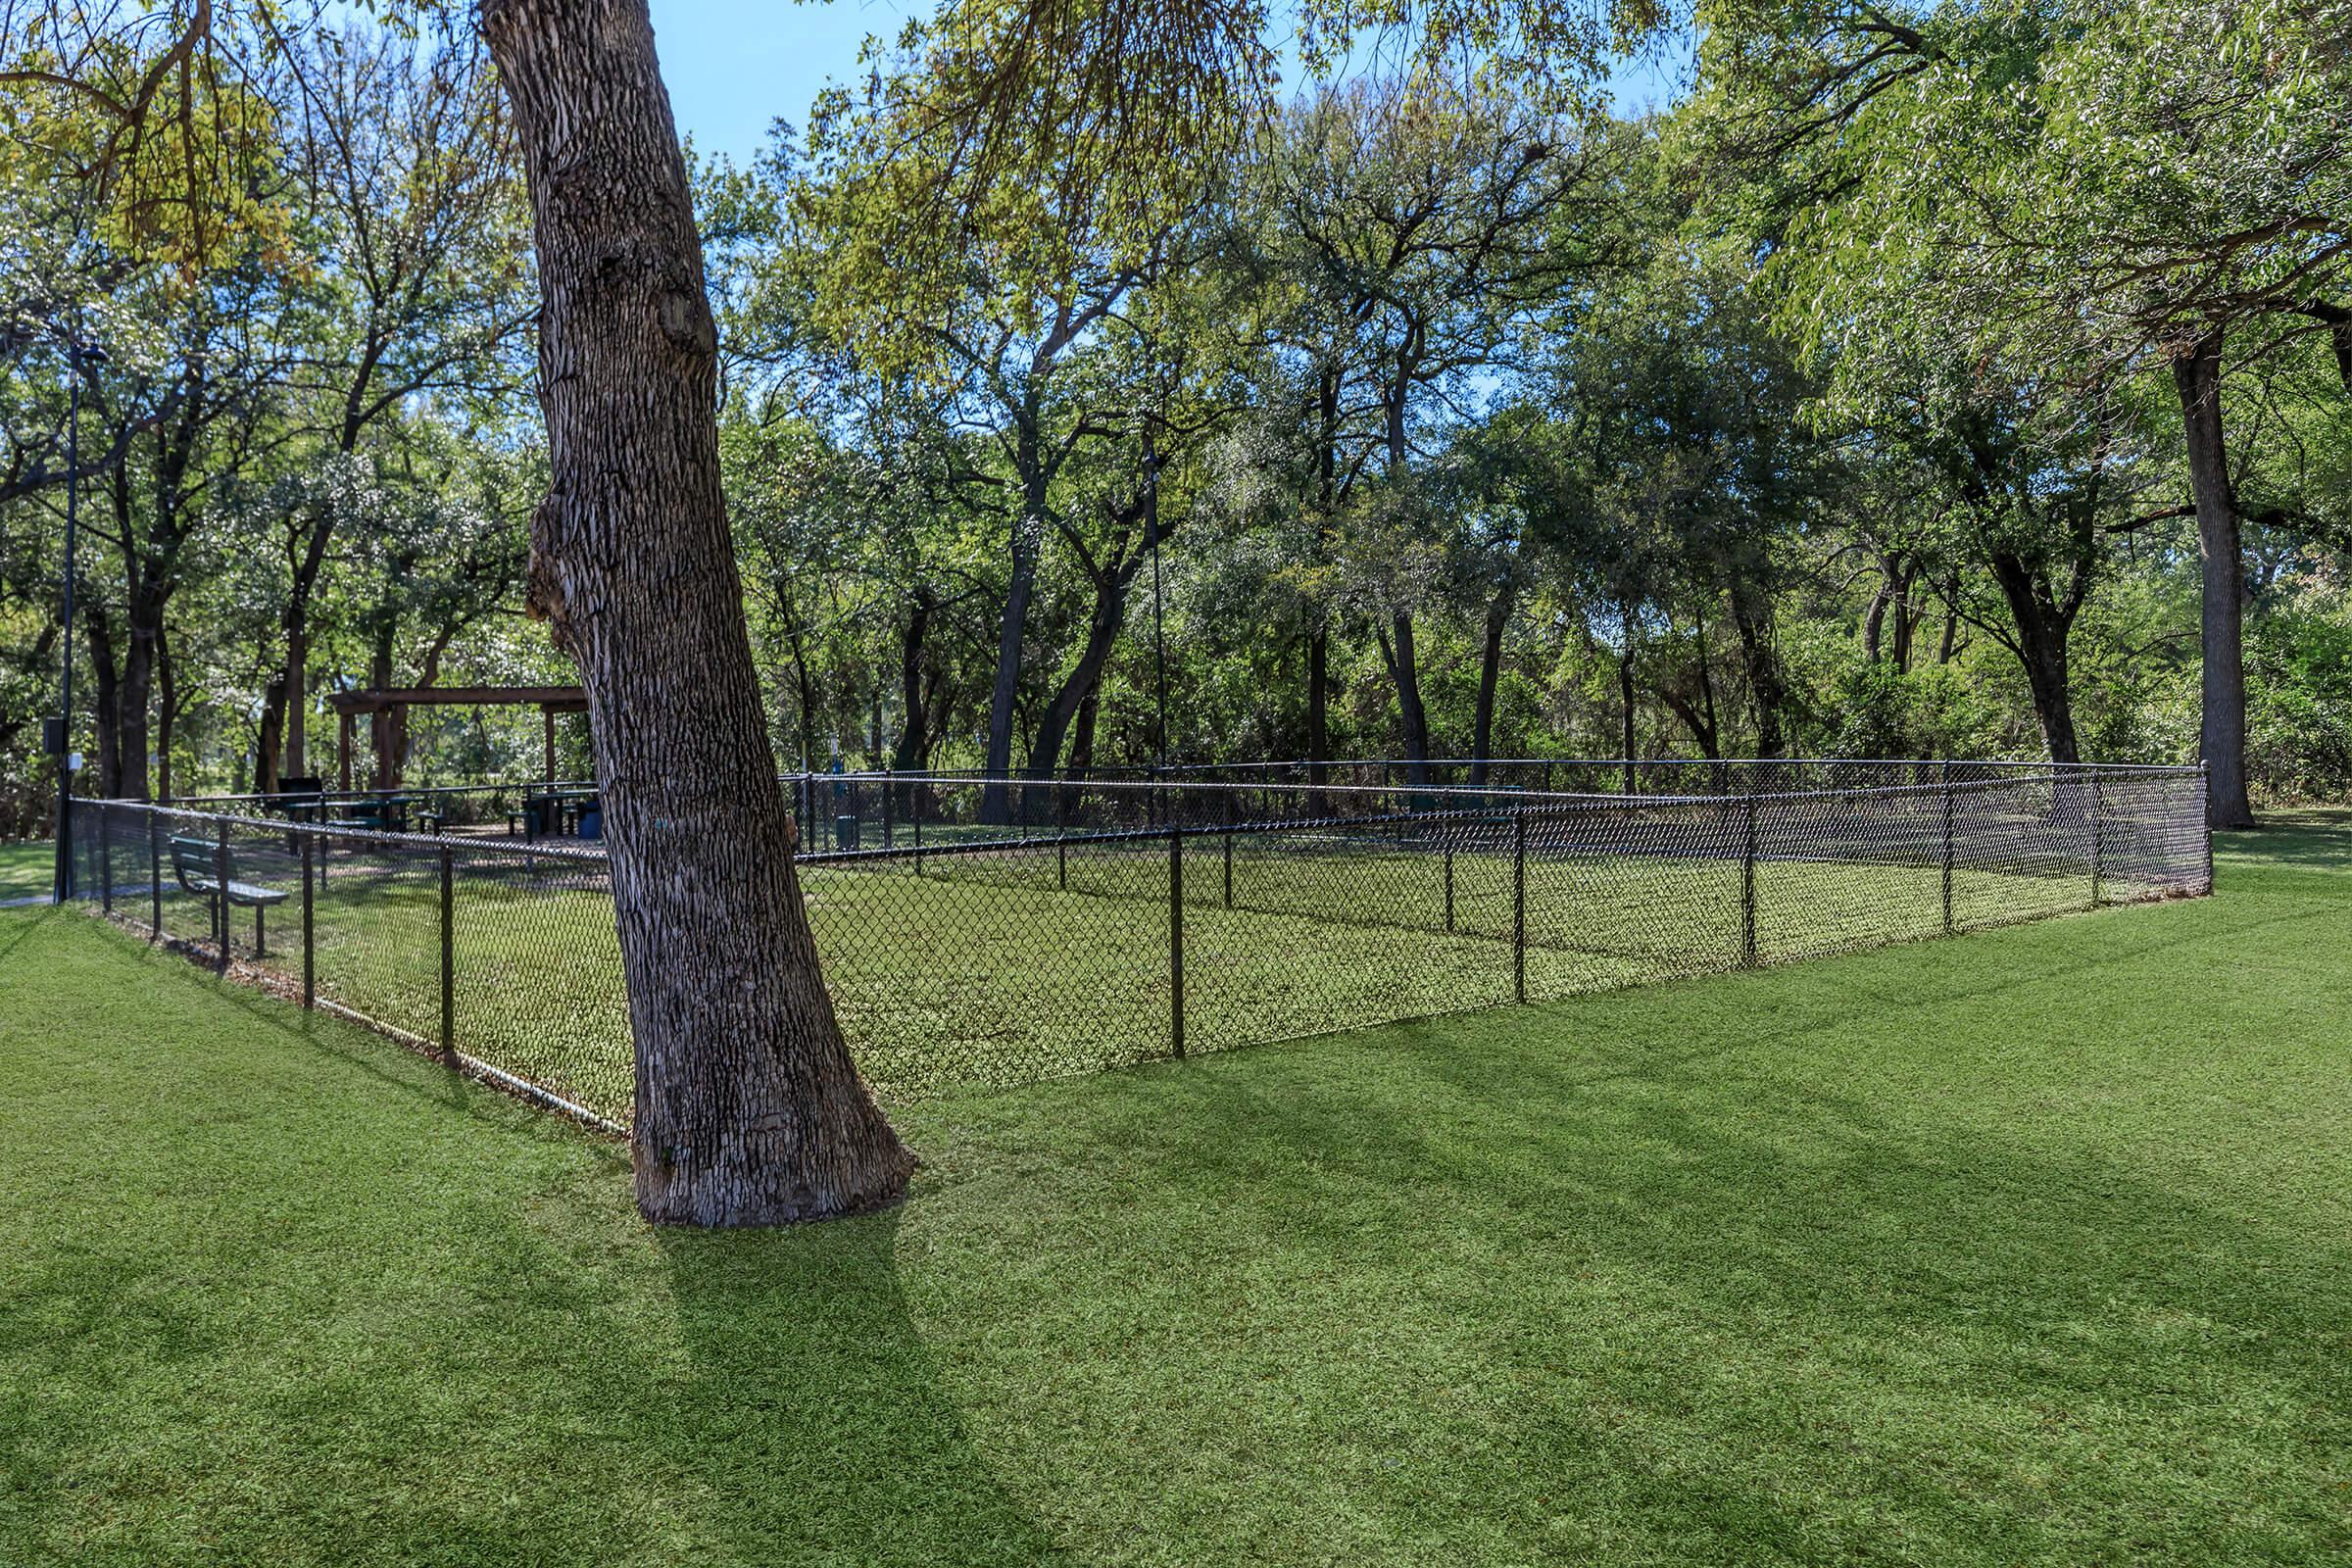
column 197, row 865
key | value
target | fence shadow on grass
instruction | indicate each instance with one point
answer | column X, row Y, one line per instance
column 814, row 1416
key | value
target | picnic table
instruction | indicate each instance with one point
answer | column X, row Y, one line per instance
column 389, row 813
column 546, row 813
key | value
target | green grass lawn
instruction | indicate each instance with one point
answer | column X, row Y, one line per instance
column 2032, row 1247
column 1002, row 969
column 28, row 869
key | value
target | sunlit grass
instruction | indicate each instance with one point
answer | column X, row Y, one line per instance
column 1015, row 966
column 2030, row 1247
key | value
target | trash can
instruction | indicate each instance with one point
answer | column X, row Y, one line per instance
column 592, row 822
column 845, row 832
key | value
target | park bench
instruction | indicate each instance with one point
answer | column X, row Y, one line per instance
column 204, row 870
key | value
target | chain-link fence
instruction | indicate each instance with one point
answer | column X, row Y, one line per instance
column 1160, row 918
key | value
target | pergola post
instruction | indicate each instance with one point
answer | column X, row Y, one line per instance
column 343, row 747
column 390, row 720
column 547, row 717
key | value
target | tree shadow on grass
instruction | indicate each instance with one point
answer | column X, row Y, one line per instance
column 2308, row 839
column 1641, row 1302
column 813, row 1425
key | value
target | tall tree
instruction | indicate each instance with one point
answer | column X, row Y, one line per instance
column 749, row 1109
column 403, row 167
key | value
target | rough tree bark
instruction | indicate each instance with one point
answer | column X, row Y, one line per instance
column 281, row 748
column 748, row 1111
column 1318, row 637
column 1405, row 668
column 1625, row 705
column 1077, row 688
column 2197, row 379
column 1751, row 619
column 1489, row 674
column 106, row 698
column 2043, row 626
column 1012, row 628
column 914, row 732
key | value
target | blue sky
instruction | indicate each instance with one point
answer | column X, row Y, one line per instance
column 735, row 65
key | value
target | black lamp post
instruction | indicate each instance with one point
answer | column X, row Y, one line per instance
column 77, row 354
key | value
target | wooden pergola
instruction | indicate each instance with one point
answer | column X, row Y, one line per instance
column 396, row 700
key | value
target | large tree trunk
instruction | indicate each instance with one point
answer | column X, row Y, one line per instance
column 1318, row 701
column 2041, row 638
column 105, row 700
column 381, row 739
column 298, row 702
column 1874, row 622
column 283, row 703
column 2197, row 379
column 804, row 683
column 1751, row 619
column 913, row 745
column 1405, row 668
column 1012, row 628
column 748, row 1111
column 1318, row 637
column 269, row 737
column 137, row 694
column 1626, row 741
column 1907, row 611
column 1078, row 686
column 166, row 712
column 1489, row 674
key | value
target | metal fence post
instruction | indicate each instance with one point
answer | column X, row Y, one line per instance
column 1061, row 863
column 1519, row 903
column 155, row 874
column 1232, row 812
column 449, row 999
column 918, row 830
column 2098, row 836
column 1449, row 884
column 2205, row 814
column 221, row 896
column 1176, row 940
column 310, row 976
column 890, row 788
column 106, row 858
column 1948, row 848
column 1747, row 885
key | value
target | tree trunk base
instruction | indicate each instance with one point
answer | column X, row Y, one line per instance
column 742, row 1187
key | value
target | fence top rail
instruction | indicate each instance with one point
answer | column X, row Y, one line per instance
column 1667, row 762
column 1494, row 806
column 1135, row 776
